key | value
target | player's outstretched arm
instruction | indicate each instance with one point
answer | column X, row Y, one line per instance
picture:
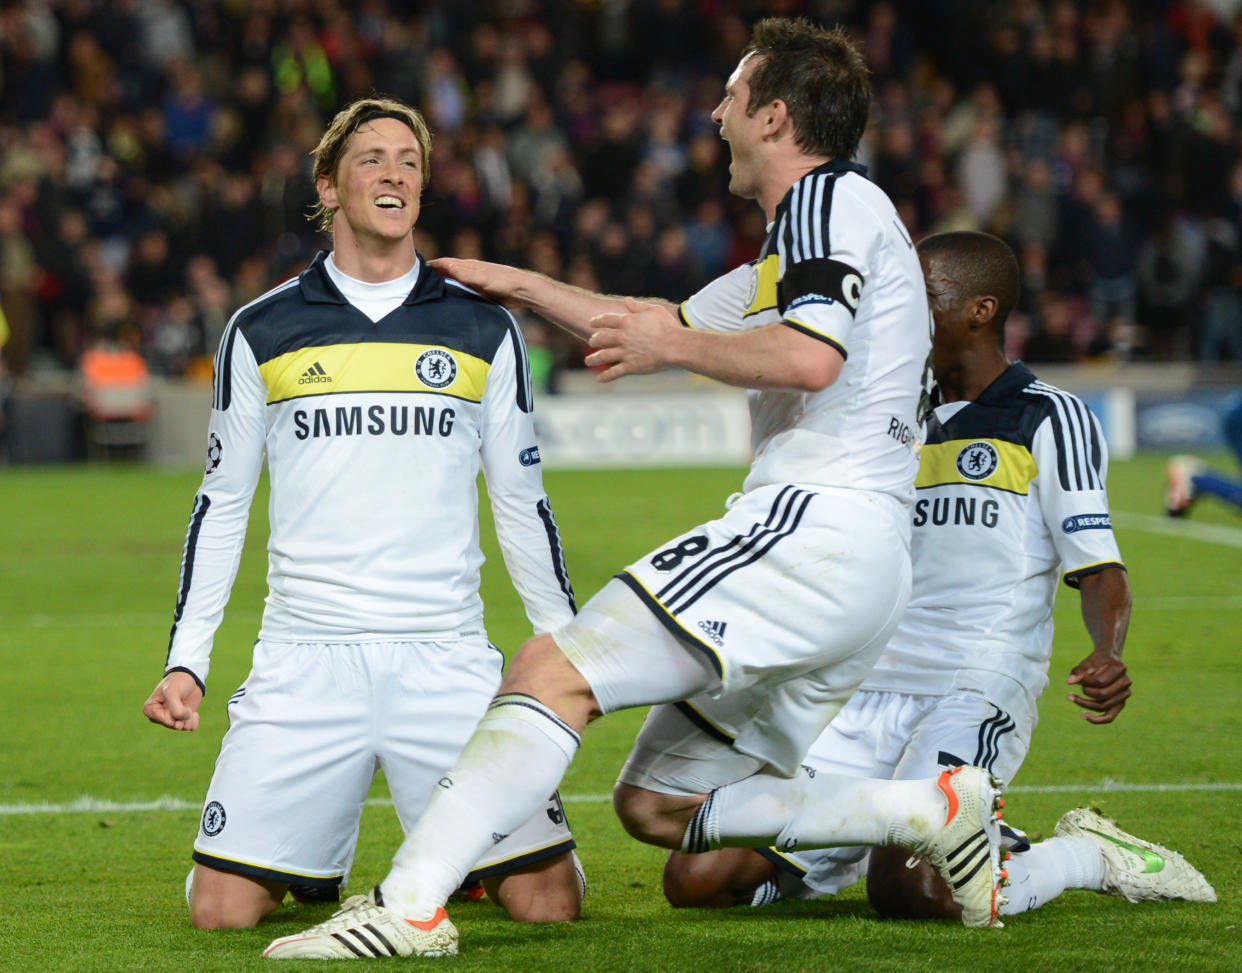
column 174, row 702
column 647, row 338
column 1102, row 675
column 566, row 306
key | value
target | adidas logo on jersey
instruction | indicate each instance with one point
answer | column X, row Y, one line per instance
column 314, row 374
column 714, row 631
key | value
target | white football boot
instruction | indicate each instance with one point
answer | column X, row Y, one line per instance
column 966, row 852
column 1137, row 870
column 365, row 928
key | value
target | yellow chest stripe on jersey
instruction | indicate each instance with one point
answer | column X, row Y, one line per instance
column 767, row 274
column 983, row 462
column 374, row 367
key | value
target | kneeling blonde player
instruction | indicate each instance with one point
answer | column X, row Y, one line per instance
column 1010, row 495
column 376, row 389
column 769, row 617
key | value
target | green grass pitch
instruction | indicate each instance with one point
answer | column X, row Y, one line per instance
column 88, row 571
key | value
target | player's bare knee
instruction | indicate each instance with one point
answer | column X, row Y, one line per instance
column 657, row 819
column 715, row 880
column 549, row 891
column 216, row 912
column 556, row 903
column 684, row 886
column 220, row 900
column 634, row 808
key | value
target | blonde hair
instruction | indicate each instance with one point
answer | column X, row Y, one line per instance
column 327, row 154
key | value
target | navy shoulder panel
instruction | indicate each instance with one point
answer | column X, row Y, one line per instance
column 285, row 320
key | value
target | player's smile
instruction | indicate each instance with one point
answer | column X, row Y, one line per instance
column 379, row 181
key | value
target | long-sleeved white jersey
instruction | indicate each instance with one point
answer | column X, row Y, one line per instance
column 837, row 265
column 374, row 433
column 1010, row 493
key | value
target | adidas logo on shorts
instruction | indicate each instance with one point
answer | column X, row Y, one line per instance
column 714, row 631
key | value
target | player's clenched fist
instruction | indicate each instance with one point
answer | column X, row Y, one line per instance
column 174, row 702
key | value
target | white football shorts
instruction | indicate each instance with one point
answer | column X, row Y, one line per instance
column 309, row 728
column 897, row 736
column 765, row 621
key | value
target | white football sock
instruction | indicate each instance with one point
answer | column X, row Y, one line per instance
column 815, row 812
column 516, row 758
column 1038, row 876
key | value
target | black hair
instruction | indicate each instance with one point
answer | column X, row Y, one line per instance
column 976, row 265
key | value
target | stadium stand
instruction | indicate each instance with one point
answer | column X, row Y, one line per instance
column 160, row 148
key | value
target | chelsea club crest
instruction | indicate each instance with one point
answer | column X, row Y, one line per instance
column 977, row 460
column 436, row 368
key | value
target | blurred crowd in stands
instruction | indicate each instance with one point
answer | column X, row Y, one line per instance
column 154, row 167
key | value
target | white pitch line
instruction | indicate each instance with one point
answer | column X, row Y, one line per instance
column 98, row 620
column 1186, row 529
column 95, row 805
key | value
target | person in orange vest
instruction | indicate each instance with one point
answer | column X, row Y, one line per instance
column 116, row 383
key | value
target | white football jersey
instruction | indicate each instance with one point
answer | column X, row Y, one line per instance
column 374, row 432
column 838, row 265
column 1010, row 493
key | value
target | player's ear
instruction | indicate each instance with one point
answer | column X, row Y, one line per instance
column 327, row 193
column 983, row 311
column 775, row 117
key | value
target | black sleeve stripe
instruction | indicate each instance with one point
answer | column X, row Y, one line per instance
column 803, row 221
column 1062, row 468
column 1063, row 473
column 1065, row 414
column 202, row 503
column 1090, row 445
column 557, row 551
column 1097, row 447
column 223, row 391
column 811, row 211
column 800, row 222
column 808, row 235
column 784, row 237
column 1074, row 410
column 521, row 364
column 1079, row 450
column 820, row 213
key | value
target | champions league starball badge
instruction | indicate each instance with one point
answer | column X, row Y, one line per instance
column 214, row 451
